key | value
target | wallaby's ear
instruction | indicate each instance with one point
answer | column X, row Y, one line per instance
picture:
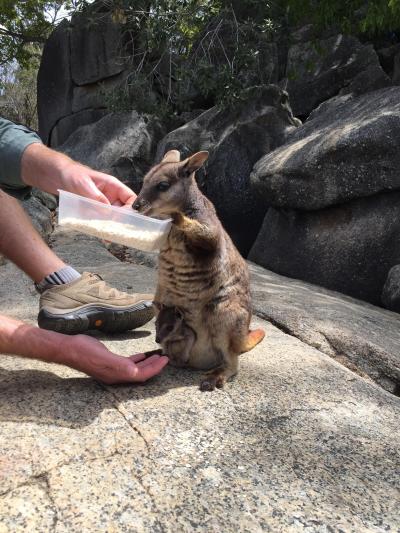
column 172, row 156
column 193, row 163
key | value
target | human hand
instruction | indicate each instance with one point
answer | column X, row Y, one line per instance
column 49, row 170
column 87, row 182
column 90, row 356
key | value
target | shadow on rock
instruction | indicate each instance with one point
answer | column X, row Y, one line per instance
column 44, row 398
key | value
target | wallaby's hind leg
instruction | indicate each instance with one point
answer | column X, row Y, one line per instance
column 217, row 377
column 229, row 343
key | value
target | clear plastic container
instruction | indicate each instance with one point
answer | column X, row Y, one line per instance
column 115, row 224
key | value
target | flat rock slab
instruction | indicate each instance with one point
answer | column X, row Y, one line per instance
column 364, row 337
column 296, row 442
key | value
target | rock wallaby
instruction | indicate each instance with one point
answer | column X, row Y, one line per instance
column 201, row 273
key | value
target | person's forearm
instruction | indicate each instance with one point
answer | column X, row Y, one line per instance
column 81, row 352
column 17, row 338
column 50, row 171
column 43, row 167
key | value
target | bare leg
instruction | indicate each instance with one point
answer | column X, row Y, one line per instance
column 22, row 244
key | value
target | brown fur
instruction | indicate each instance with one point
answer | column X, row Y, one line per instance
column 176, row 337
column 200, row 270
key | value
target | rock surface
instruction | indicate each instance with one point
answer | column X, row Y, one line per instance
column 69, row 124
column 296, row 442
column 54, row 86
column 391, row 290
column 95, row 48
column 39, row 207
column 348, row 248
column 321, row 68
column 236, row 139
column 80, row 66
column 361, row 336
column 121, row 144
column 347, row 151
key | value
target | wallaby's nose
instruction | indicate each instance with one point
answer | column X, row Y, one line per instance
column 137, row 204
column 158, row 340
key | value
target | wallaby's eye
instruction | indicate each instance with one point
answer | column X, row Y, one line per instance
column 163, row 186
column 170, row 328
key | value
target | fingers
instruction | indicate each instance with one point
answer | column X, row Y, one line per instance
column 150, row 367
column 95, row 193
column 130, row 200
column 115, row 190
column 137, row 357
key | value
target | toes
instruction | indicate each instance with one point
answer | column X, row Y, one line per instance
column 207, row 385
column 220, row 383
column 212, row 382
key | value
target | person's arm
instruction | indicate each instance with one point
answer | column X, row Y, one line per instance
column 49, row 170
column 14, row 139
column 25, row 162
column 80, row 352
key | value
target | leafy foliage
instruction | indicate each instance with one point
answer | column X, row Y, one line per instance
column 196, row 53
column 18, row 92
column 186, row 54
column 370, row 17
column 29, row 22
column 190, row 53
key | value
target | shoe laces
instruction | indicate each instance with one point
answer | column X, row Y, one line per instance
column 104, row 290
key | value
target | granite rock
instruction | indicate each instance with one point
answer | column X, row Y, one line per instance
column 296, row 442
column 345, row 151
column 236, row 138
column 349, row 248
column 320, row 68
column 67, row 125
column 54, row 82
column 364, row 337
column 40, row 215
column 95, row 47
column 121, row 144
column 391, row 290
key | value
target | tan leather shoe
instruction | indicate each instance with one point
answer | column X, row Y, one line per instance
column 89, row 304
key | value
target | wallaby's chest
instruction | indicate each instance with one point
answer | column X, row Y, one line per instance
column 184, row 279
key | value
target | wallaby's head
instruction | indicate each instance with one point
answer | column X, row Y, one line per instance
column 168, row 323
column 166, row 186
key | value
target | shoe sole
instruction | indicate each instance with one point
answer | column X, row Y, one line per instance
column 109, row 320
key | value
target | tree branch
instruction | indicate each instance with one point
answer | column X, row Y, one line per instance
column 22, row 37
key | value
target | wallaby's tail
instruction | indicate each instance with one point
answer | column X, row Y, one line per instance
column 253, row 338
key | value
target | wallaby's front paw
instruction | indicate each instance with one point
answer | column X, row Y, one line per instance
column 177, row 218
column 153, row 352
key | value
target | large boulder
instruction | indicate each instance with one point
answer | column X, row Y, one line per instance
column 236, row 139
column 321, row 68
column 95, row 48
column 348, row 150
column 40, row 207
column 121, row 144
column 348, row 248
column 363, row 337
column 391, row 290
column 81, row 67
column 54, row 85
column 65, row 126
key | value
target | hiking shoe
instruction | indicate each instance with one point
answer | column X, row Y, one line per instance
column 88, row 303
